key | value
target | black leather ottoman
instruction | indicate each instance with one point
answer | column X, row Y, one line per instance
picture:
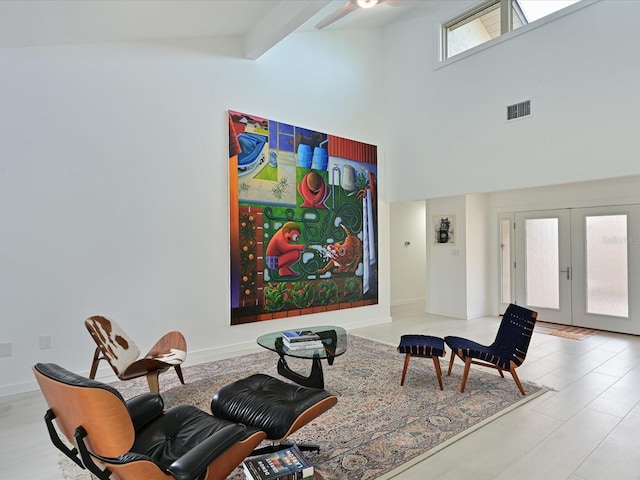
column 276, row 407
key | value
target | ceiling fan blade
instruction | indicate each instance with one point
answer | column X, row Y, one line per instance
column 346, row 9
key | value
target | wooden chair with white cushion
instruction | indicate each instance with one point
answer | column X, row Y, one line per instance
column 121, row 352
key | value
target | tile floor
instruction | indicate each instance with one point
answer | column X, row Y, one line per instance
column 584, row 429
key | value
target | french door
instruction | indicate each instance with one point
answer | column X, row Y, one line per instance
column 580, row 266
column 543, row 264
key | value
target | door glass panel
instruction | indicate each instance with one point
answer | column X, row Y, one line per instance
column 606, row 259
column 542, row 257
column 505, row 261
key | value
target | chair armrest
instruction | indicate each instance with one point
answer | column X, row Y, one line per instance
column 144, row 408
column 195, row 462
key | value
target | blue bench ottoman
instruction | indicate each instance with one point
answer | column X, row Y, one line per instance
column 424, row 346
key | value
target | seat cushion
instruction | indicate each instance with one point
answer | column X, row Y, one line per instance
column 487, row 353
column 265, row 402
column 117, row 347
column 176, row 432
column 422, row 345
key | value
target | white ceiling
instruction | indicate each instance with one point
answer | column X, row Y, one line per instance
column 263, row 23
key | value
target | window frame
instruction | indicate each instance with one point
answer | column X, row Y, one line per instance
column 506, row 17
column 507, row 264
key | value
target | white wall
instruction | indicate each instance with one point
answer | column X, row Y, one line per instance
column 447, row 272
column 113, row 184
column 408, row 268
column 480, row 239
column 478, row 244
column 614, row 191
column 446, row 123
column 459, row 273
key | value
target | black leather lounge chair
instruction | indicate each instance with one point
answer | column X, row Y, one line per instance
column 137, row 439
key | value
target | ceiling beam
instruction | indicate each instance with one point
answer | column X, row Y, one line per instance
column 281, row 21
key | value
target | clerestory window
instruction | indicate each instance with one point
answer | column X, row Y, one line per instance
column 492, row 19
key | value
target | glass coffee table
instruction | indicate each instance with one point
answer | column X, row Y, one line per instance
column 334, row 344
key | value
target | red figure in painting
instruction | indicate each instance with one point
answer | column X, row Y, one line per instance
column 282, row 252
column 314, row 190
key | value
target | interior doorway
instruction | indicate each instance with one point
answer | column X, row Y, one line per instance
column 408, row 276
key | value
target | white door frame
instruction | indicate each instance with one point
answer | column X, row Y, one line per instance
column 581, row 317
column 560, row 313
column 506, row 259
column 572, row 308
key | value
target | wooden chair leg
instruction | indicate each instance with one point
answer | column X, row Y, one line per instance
column 453, row 357
column 94, row 364
column 179, row 372
column 152, row 380
column 407, row 357
column 467, row 367
column 517, row 380
column 436, row 364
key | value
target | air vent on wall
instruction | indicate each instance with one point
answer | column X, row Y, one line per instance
column 519, row 110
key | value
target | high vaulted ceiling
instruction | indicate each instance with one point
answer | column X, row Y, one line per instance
column 262, row 23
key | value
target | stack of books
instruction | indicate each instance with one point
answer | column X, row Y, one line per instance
column 301, row 339
column 286, row 464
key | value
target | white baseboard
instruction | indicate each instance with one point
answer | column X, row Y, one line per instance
column 106, row 375
column 409, row 301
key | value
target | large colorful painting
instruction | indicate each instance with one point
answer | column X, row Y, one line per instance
column 304, row 224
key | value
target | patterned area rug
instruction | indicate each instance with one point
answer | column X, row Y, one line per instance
column 566, row 331
column 377, row 425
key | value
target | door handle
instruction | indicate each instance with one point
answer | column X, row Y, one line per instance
column 568, row 272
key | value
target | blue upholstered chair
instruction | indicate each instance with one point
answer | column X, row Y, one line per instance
column 508, row 350
column 425, row 346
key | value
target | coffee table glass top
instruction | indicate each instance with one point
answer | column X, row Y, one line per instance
column 334, row 340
